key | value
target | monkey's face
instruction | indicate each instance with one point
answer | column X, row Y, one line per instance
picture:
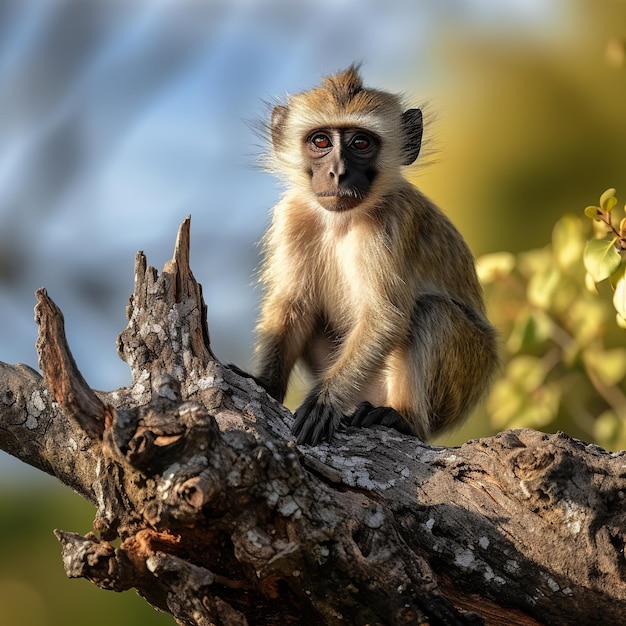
column 342, row 165
column 343, row 144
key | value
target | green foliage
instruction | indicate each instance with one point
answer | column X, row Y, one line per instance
column 601, row 259
column 564, row 357
column 603, row 256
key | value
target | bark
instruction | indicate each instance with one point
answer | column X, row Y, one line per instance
column 208, row 508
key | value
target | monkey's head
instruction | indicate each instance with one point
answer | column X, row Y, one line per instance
column 343, row 143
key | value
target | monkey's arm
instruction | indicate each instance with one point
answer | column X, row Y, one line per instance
column 363, row 354
column 274, row 365
column 283, row 330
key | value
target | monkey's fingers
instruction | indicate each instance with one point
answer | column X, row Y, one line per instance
column 367, row 415
column 361, row 413
column 316, row 420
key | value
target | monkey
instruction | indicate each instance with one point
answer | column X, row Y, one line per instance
column 365, row 281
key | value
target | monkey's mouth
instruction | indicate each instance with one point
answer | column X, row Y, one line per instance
column 339, row 200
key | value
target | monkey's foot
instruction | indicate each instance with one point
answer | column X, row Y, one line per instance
column 367, row 415
column 317, row 419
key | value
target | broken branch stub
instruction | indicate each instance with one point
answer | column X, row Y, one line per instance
column 167, row 318
column 66, row 383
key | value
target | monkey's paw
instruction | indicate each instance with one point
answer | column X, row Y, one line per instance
column 367, row 415
column 317, row 419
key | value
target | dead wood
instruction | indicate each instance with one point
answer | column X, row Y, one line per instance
column 221, row 519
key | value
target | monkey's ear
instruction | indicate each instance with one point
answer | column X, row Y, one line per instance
column 277, row 123
column 412, row 128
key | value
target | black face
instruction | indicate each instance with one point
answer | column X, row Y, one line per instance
column 342, row 165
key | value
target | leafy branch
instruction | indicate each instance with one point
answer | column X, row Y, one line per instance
column 564, row 359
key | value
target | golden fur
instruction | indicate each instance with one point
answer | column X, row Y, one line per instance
column 380, row 302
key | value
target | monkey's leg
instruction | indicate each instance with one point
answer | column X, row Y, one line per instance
column 452, row 357
column 438, row 378
column 274, row 366
column 395, row 389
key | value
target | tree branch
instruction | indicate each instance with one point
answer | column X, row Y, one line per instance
column 223, row 520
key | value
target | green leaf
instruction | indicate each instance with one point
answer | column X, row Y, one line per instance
column 527, row 372
column 505, row 402
column 544, row 406
column 608, row 199
column 607, row 427
column 542, row 287
column 530, row 330
column 586, row 319
column 619, row 297
column 601, row 258
column 568, row 241
column 609, row 204
column 494, row 266
column 532, row 262
column 594, row 213
column 617, row 276
column 608, row 365
column 590, row 283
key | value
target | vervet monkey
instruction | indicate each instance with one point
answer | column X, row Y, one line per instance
column 366, row 281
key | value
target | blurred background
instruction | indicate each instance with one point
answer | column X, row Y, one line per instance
column 119, row 118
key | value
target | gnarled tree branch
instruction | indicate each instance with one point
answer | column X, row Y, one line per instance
column 222, row 519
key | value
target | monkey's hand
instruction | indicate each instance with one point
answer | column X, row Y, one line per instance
column 367, row 415
column 317, row 418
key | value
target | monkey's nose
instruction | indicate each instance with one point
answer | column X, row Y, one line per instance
column 338, row 170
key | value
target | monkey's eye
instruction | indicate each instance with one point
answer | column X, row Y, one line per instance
column 321, row 141
column 361, row 142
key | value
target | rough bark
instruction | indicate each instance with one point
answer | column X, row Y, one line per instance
column 222, row 519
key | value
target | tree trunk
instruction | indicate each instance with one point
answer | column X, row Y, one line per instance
column 223, row 520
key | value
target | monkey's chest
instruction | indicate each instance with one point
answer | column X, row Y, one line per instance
column 344, row 282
